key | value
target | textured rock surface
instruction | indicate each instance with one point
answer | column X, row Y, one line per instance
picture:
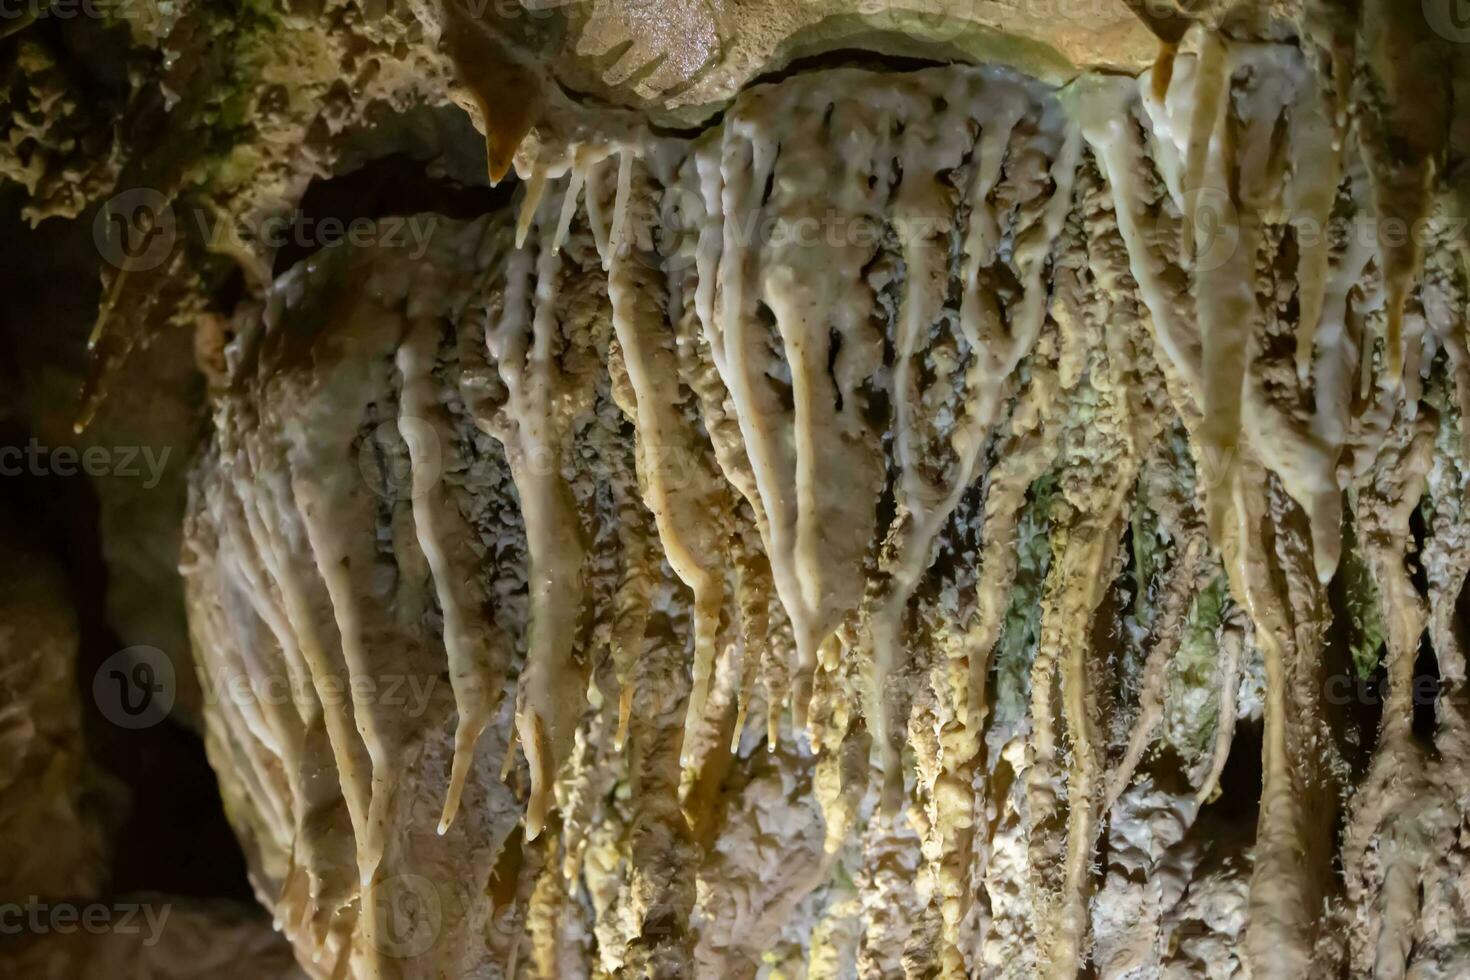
column 47, row 789
column 170, row 940
column 60, row 815
column 1054, row 680
column 681, row 62
column 885, row 521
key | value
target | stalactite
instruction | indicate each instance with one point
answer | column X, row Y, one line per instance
column 673, row 475
column 1384, row 507
column 844, row 411
column 524, row 344
column 476, row 666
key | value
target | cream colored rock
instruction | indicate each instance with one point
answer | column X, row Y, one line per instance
column 871, row 326
column 852, row 518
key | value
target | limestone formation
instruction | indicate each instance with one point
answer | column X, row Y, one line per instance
column 902, row 490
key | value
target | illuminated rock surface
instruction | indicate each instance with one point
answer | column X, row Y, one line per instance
column 999, row 520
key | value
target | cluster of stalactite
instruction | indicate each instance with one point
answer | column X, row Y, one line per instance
column 854, row 541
